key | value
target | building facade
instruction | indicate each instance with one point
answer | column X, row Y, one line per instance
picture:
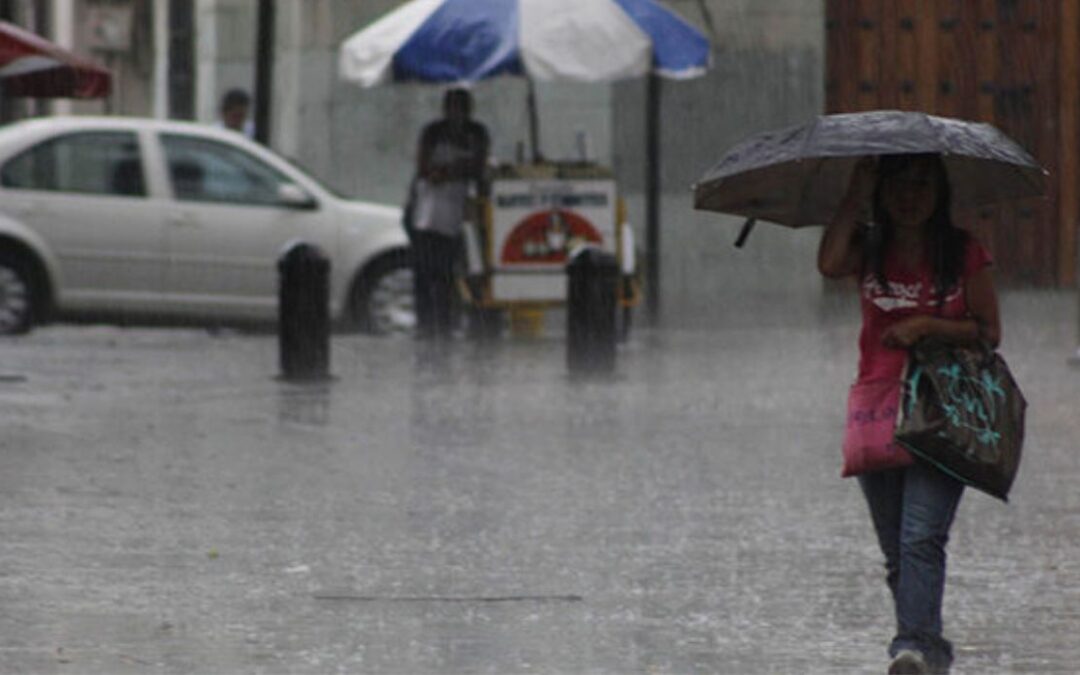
column 1013, row 64
column 177, row 57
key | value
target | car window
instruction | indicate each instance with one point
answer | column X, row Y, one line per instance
column 209, row 171
column 103, row 163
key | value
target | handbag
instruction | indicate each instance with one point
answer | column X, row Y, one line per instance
column 871, row 423
column 963, row 412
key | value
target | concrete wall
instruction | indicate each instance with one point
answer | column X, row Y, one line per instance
column 225, row 52
column 363, row 141
column 768, row 72
column 132, row 70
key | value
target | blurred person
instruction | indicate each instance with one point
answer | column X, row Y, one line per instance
column 450, row 164
column 235, row 112
column 920, row 276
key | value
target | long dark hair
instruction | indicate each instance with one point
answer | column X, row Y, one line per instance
column 945, row 243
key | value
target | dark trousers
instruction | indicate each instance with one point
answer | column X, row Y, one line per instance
column 434, row 258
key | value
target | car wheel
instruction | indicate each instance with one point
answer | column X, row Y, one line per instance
column 382, row 302
column 17, row 295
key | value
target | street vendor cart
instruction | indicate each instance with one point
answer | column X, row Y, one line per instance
column 523, row 233
column 535, row 213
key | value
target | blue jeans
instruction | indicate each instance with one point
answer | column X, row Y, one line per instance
column 912, row 509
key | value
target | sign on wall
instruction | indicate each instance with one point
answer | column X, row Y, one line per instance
column 108, row 27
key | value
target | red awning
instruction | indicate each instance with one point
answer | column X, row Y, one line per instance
column 34, row 67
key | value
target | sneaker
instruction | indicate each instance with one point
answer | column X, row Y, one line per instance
column 908, row 662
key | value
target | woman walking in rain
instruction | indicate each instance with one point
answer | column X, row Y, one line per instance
column 919, row 276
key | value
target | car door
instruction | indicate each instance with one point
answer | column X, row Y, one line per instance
column 227, row 227
column 86, row 194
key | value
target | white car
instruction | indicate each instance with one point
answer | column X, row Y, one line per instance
column 153, row 219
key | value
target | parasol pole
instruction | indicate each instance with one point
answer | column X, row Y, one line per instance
column 264, row 70
column 7, row 109
column 534, row 124
column 652, row 197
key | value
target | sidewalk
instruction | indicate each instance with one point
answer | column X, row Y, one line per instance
column 168, row 506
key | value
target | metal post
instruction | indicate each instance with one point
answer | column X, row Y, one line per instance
column 304, row 314
column 7, row 105
column 1075, row 358
column 181, row 82
column 591, row 305
column 42, row 26
column 652, row 198
column 264, row 70
column 534, row 122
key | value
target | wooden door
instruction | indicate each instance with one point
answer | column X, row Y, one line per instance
column 1011, row 63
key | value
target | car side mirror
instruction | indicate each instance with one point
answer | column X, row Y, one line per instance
column 291, row 195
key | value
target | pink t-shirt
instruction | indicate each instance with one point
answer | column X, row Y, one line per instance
column 909, row 292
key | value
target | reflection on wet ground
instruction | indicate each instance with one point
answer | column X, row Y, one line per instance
column 305, row 403
column 168, row 505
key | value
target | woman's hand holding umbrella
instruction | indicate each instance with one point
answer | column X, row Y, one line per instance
column 861, row 188
column 839, row 255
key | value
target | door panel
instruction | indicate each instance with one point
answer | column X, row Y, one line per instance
column 997, row 61
column 85, row 194
column 226, row 228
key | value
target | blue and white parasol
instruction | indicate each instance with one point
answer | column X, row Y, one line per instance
column 571, row 40
column 463, row 41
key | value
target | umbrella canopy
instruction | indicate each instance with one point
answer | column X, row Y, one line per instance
column 798, row 176
column 471, row 40
column 34, row 67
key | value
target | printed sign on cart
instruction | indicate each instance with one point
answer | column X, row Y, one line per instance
column 537, row 222
column 534, row 225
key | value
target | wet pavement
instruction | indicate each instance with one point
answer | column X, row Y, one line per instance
column 168, row 506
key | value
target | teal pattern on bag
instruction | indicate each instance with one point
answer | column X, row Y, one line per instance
column 962, row 411
column 970, row 403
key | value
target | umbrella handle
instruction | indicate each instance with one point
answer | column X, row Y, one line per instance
column 745, row 232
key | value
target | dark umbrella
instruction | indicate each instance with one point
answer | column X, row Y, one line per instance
column 32, row 66
column 797, row 176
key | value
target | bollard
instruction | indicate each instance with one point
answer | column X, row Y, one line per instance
column 591, row 300
column 304, row 313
